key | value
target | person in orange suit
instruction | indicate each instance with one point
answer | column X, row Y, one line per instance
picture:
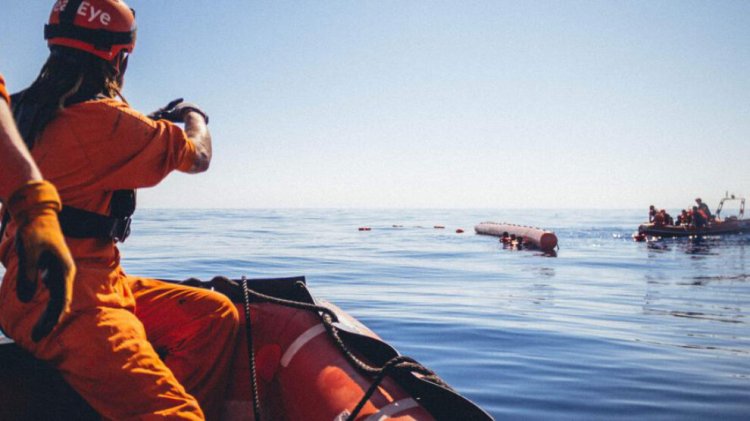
column 133, row 347
column 34, row 202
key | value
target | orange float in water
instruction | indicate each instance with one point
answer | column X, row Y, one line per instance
column 542, row 239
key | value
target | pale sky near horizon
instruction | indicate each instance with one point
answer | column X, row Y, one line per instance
column 440, row 104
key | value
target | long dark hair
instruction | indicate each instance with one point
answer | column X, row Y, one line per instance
column 69, row 76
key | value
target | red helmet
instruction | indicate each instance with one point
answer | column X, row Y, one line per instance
column 100, row 27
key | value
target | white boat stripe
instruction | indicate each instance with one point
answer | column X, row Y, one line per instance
column 298, row 343
column 392, row 409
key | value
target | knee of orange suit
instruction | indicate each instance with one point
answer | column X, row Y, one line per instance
column 224, row 318
column 103, row 353
column 223, row 324
column 229, row 313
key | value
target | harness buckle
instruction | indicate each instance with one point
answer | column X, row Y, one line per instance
column 121, row 229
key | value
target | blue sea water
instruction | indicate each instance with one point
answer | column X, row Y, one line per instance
column 607, row 329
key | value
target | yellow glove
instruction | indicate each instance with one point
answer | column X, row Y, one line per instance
column 41, row 249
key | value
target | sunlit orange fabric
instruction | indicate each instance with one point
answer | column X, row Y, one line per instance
column 88, row 151
column 3, row 91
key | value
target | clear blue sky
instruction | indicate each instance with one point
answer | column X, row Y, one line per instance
column 441, row 103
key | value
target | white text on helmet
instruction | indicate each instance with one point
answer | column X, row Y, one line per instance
column 87, row 10
column 92, row 13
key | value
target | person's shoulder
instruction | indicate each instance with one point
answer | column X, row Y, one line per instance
column 114, row 106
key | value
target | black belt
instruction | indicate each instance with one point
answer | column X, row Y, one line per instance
column 79, row 223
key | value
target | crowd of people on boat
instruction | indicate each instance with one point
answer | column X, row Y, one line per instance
column 698, row 216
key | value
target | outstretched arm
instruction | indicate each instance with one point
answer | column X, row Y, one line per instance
column 196, row 129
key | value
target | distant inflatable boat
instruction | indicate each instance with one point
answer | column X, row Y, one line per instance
column 309, row 359
column 542, row 239
column 725, row 227
column 731, row 225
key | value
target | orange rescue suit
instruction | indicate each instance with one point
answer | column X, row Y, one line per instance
column 3, row 92
column 108, row 349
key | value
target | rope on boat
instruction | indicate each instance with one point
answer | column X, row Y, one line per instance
column 328, row 317
column 251, row 351
column 401, row 362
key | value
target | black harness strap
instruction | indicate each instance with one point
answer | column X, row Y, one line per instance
column 101, row 39
column 79, row 223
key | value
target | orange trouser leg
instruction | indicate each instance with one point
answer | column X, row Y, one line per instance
column 109, row 361
column 103, row 353
column 196, row 332
column 105, row 357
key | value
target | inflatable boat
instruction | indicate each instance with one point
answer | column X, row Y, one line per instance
column 725, row 227
column 541, row 239
column 300, row 359
column 731, row 225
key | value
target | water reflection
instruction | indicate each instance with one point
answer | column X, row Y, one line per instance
column 694, row 246
column 657, row 245
column 699, row 246
column 542, row 294
column 705, row 280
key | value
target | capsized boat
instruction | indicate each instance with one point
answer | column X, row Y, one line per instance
column 736, row 224
column 542, row 239
column 309, row 360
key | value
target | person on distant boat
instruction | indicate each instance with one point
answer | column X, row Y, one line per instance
column 659, row 219
column 133, row 347
column 682, row 218
column 651, row 213
column 34, row 202
column 704, row 207
column 699, row 217
column 668, row 220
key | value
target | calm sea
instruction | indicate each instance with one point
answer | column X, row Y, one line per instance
column 607, row 329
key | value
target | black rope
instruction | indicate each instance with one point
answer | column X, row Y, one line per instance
column 388, row 366
column 328, row 317
column 251, row 351
column 291, row 303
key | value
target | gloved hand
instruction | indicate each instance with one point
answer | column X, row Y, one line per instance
column 175, row 111
column 41, row 249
